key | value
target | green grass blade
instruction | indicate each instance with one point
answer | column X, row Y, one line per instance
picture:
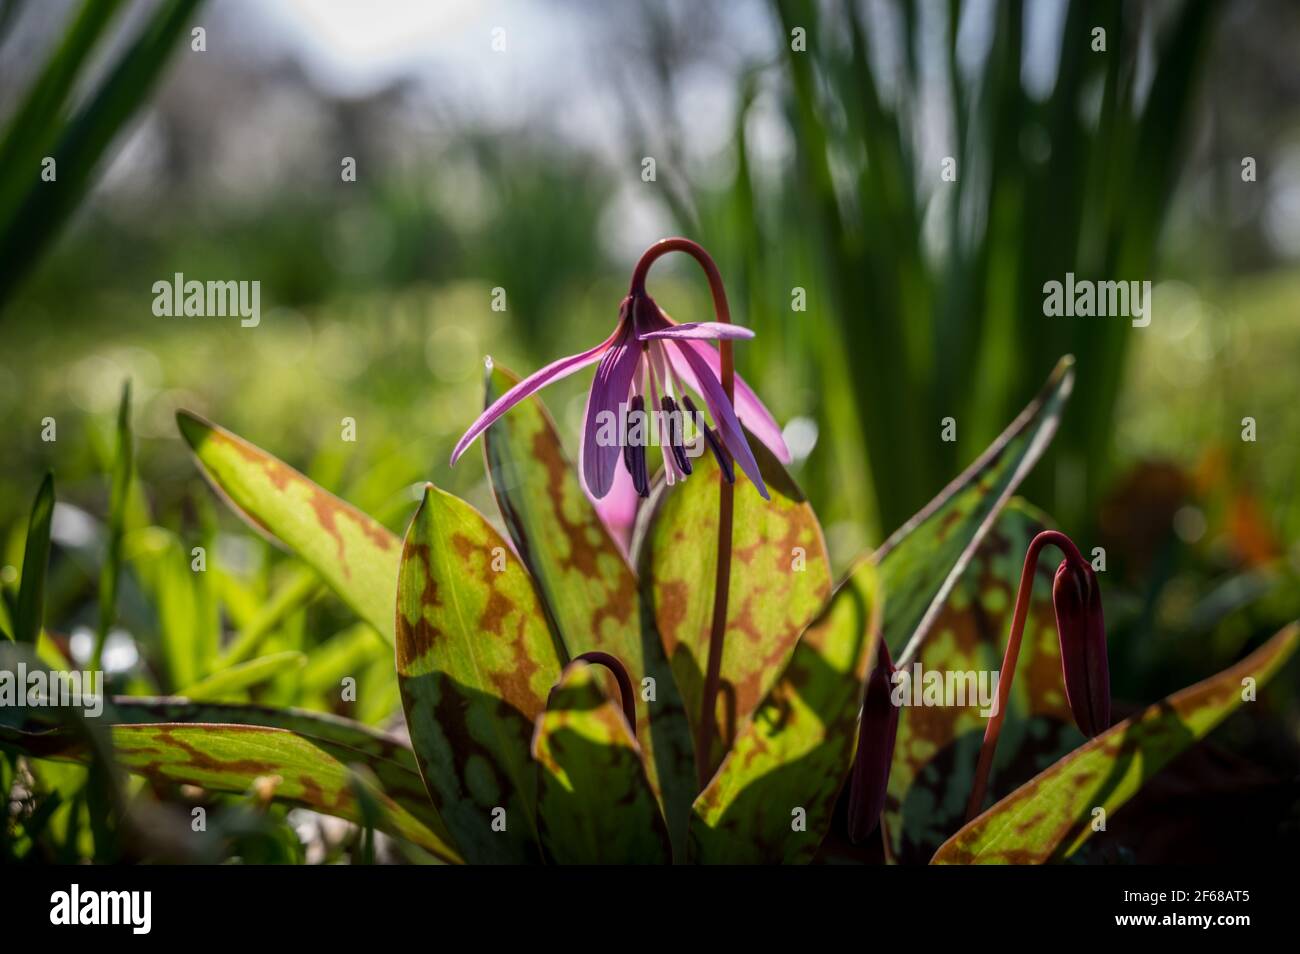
column 34, row 127
column 83, row 142
column 123, row 466
column 236, row 680
column 30, row 611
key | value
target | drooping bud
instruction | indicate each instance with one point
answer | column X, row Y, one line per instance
column 877, row 731
column 1076, row 597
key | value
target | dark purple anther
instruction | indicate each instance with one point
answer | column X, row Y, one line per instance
column 675, row 438
column 715, row 445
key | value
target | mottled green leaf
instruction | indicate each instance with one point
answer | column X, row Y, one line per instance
column 390, row 759
column 237, row 679
column 922, row 560
column 475, row 662
column 780, row 578
column 1050, row 817
column 585, row 585
column 594, row 801
column 790, row 762
column 29, row 613
column 937, row 746
column 229, row 758
column 357, row 556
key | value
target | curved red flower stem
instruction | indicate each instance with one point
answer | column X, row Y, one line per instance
column 1008, row 671
column 726, row 497
column 627, row 698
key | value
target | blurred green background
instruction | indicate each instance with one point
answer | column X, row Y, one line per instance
column 502, row 145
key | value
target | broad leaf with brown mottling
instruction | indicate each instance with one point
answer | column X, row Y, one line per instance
column 780, row 579
column 475, row 662
column 356, row 555
column 921, row 561
column 1051, row 817
column 937, row 746
column 229, row 758
column 37, row 733
column 791, row 760
column 594, row 801
column 585, row 585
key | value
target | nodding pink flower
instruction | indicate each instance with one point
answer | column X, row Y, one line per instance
column 652, row 361
column 1076, row 597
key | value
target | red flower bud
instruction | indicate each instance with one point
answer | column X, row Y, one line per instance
column 877, row 731
column 1076, row 597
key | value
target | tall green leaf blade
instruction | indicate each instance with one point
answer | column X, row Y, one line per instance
column 796, row 752
column 780, row 579
column 1051, row 817
column 29, row 615
column 237, row 679
column 584, row 583
column 594, row 800
column 120, row 488
column 922, row 561
column 937, row 746
column 357, row 556
column 34, row 125
column 475, row 662
column 85, row 139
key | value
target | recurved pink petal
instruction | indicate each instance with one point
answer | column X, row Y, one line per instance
column 729, row 429
column 749, row 409
column 554, row 371
column 609, row 390
column 699, row 329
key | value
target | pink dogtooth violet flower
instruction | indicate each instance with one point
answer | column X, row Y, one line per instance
column 652, row 362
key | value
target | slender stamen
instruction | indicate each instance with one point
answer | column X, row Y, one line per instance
column 637, row 467
column 655, row 389
column 627, row 444
column 715, row 444
column 675, row 440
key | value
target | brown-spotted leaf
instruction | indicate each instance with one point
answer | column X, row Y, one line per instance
column 356, row 555
column 922, row 560
column 39, row 733
column 1051, row 817
column 586, row 587
column 230, row 758
column 938, row 745
column 594, row 801
column 780, row 578
column 773, row 797
column 475, row 662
